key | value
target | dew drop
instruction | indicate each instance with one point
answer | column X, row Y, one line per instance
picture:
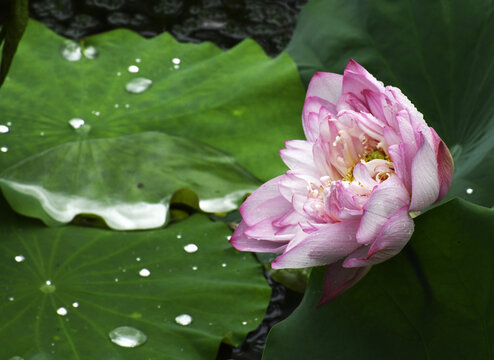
column 19, row 258
column 71, row 51
column 9, row 123
column 133, row 68
column 144, row 272
column 228, row 237
column 224, row 265
column 76, row 123
column 138, row 60
column 138, row 259
column 4, row 149
column 62, row 311
column 244, row 322
column 184, row 319
column 91, row 52
column 138, row 85
column 194, row 268
column 47, row 287
column 191, row 248
column 176, row 61
column 179, row 236
column 116, row 106
column 119, row 73
column 127, row 106
column 116, row 279
column 75, row 304
column 11, row 298
column 42, row 133
column 4, row 129
column 469, row 191
column 127, row 336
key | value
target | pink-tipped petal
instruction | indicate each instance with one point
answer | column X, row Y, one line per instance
column 445, row 165
column 264, row 202
column 310, row 116
column 298, row 156
column 425, row 177
column 326, row 86
column 338, row 279
column 393, row 237
column 385, row 200
column 243, row 243
column 328, row 244
column 356, row 79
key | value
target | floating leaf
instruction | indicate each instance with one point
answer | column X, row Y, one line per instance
column 416, row 305
column 438, row 52
column 83, row 293
column 128, row 181
column 240, row 101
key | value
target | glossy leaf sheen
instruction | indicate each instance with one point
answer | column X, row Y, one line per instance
column 239, row 101
column 99, row 270
column 437, row 52
column 128, row 180
column 432, row 301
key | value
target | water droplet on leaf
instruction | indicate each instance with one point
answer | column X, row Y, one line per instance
column 62, row 311
column 91, row 52
column 138, row 85
column 48, row 287
column 469, row 191
column 19, row 258
column 4, row 129
column 144, row 272
column 184, row 319
column 176, row 61
column 76, row 123
column 133, row 68
column 127, row 336
column 71, row 51
column 75, row 304
column 191, row 248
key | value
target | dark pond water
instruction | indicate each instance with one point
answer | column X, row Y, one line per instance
column 224, row 22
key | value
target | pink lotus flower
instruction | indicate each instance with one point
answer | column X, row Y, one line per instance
column 369, row 160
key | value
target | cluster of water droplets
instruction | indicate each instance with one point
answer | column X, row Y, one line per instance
column 4, row 129
column 73, row 51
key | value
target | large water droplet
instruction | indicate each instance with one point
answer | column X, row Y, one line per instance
column 91, row 52
column 138, row 85
column 469, row 191
column 62, row 311
column 191, row 248
column 79, row 125
column 71, row 50
column 4, row 129
column 19, row 258
column 144, row 272
column 76, row 123
column 48, row 287
column 127, row 336
column 184, row 319
column 4, row 149
column 133, row 68
column 176, row 61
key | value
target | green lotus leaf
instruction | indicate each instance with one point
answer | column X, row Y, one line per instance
column 85, row 293
column 437, row 52
column 127, row 181
column 432, row 301
column 117, row 84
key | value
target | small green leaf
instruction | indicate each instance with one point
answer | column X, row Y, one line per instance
column 64, row 290
column 432, row 301
column 128, row 181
